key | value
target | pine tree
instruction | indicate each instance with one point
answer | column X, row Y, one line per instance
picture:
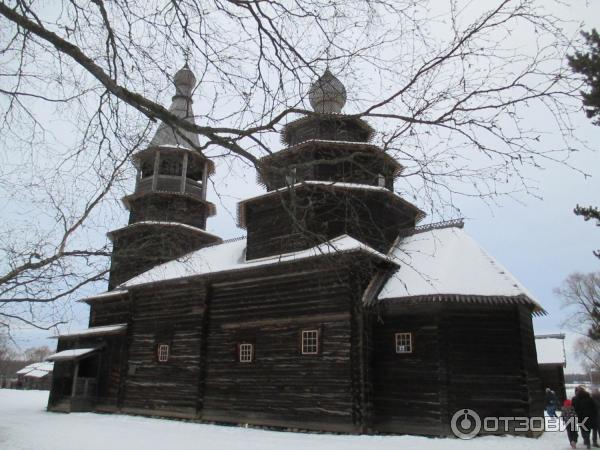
column 589, row 213
column 588, row 65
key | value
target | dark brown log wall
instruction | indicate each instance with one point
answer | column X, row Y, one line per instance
column 465, row 356
column 484, row 355
column 169, row 207
column 109, row 311
column 408, row 389
column 530, row 362
column 282, row 387
column 320, row 214
column 140, row 248
column 171, row 315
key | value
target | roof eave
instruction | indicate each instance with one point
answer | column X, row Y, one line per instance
column 522, row 299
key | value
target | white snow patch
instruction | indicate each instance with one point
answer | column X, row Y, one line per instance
column 114, row 293
column 24, row 411
column 70, row 354
column 107, row 329
column 166, row 224
column 447, row 261
column 230, row 256
column 39, row 366
column 550, row 351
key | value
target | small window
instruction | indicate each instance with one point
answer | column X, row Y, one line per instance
column 310, row 342
column 246, row 353
column 163, row 352
column 403, row 343
column 380, row 180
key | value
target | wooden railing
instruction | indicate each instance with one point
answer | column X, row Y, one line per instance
column 169, row 183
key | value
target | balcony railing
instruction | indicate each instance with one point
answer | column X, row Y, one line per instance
column 170, row 183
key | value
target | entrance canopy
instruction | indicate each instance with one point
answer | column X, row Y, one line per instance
column 73, row 354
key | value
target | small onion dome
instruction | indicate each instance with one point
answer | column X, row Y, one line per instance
column 327, row 94
column 184, row 81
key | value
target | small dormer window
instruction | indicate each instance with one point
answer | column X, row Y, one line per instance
column 380, row 180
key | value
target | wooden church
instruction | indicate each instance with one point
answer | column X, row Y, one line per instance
column 336, row 312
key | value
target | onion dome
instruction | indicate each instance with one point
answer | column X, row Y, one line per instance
column 184, row 81
column 327, row 95
column 181, row 106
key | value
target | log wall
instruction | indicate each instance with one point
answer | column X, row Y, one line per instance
column 320, row 214
column 465, row 356
column 408, row 389
column 282, row 387
column 138, row 249
column 172, row 315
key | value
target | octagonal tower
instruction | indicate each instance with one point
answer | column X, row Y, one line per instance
column 168, row 209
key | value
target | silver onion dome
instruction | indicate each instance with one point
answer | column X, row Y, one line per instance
column 184, row 81
column 181, row 106
column 327, row 94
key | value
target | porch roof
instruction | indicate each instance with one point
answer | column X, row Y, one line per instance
column 75, row 353
column 95, row 331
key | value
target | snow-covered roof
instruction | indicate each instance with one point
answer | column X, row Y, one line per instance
column 447, row 262
column 103, row 295
column 230, row 256
column 95, row 331
column 66, row 355
column 39, row 367
column 333, row 184
column 551, row 349
column 166, row 224
column 37, row 374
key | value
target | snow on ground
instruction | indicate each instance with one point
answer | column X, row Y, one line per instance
column 25, row 425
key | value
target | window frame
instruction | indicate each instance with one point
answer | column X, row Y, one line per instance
column 160, row 357
column 398, row 340
column 317, row 344
column 241, row 353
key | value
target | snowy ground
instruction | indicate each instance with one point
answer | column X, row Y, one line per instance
column 24, row 424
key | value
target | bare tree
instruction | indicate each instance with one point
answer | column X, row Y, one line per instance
column 37, row 354
column 582, row 292
column 83, row 82
column 6, row 351
column 588, row 352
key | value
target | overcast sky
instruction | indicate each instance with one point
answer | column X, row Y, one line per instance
column 540, row 241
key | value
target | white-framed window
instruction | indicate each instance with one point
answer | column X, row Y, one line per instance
column 404, row 343
column 246, row 353
column 310, row 342
column 163, row 352
column 381, row 180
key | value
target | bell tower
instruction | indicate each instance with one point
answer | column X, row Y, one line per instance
column 168, row 209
